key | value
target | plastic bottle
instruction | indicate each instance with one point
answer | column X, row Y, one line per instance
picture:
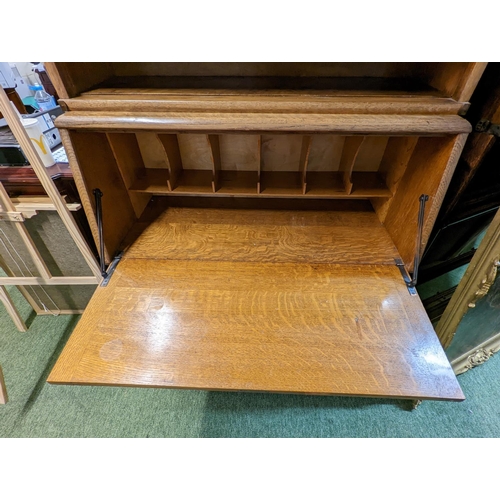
column 45, row 101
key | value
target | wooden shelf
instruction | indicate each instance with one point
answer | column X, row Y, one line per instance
column 275, row 184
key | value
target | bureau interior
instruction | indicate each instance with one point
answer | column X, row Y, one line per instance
column 129, row 168
column 437, row 78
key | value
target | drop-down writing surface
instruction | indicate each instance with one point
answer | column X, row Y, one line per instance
column 306, row 301
column 315, row 329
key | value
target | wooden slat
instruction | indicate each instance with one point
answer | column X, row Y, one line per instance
column 37, row 259
column 265, row 122
column 3, row 391
column 55, row 280
column 314, row 329
column 16, row 318
column 31, row 300
column 34, row 203
column 263, row 236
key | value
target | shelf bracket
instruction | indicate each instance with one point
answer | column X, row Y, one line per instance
column 105, row 273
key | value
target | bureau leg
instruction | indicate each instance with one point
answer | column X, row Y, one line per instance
column 415, row 403
column 3, row 391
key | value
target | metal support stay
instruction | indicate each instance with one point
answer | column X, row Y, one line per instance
column 406, row 276
column 411, row 283
column 420, row 227
column 111, row 269
column 105, row 273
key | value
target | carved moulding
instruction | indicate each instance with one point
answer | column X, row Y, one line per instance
column 477, row 356
column 486, row 284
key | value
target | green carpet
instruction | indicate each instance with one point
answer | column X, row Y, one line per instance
column 37, row 409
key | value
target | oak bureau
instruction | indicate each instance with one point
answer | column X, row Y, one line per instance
column 268, row 218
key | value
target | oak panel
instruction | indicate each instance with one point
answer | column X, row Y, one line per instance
column 265, row 122
column 248, row 101
column 96, row 163
column 315, row 329
column 428, row 172
column 263, row 236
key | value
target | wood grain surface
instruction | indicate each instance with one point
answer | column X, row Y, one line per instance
column 428, row 172
column 304, row 328
column 243, row 101
column 99, row 169
column 263, row 236
column 264, row 122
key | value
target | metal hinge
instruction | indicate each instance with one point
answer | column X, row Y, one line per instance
column 486, row 127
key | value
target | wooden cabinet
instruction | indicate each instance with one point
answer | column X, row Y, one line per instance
column 262, row 210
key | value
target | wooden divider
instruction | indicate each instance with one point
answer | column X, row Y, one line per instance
column 173, row 159
column 269, row 165
column 128, row 157
column 213, row 141
column 393, row 165
column 350, row 151
column 304, row 159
